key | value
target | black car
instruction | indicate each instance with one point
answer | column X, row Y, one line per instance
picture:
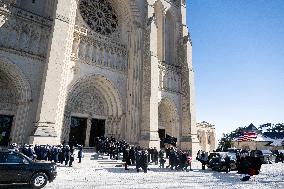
column 15, row 167
column 216, row 161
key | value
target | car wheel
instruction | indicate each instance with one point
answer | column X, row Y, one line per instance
column 38, row 180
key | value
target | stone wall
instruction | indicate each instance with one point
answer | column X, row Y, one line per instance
column 128, row 63
column 207, row 136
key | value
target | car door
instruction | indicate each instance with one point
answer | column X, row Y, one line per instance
column 17, row 169
column 3, row 168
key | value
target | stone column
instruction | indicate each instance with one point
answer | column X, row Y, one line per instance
column 134, row 94
column 19, row 131
column 108, row 125
column 88, row 131
column 75, row 47
column 54, row 84
column 149, row 128
column 189, row 140
column 122, row 126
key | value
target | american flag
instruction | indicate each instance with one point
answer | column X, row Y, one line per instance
column 245, row 136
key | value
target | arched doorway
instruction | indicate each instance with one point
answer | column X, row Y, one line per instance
column 92, row 109
column 168, row 122
column 15, row 97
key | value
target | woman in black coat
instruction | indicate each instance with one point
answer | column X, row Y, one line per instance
column 126, row 158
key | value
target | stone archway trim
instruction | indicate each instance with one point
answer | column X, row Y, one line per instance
column 105, row 87
column 24, row 91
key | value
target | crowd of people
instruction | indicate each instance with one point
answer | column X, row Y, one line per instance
column 115, row 149
column 246, row 163
column 141, row 157
column 63, row 154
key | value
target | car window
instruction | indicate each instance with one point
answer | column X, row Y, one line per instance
column 14, row 158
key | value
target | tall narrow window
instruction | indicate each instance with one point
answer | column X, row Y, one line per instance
column 169, row 39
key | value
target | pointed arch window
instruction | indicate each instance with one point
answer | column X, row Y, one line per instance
column 169, row 38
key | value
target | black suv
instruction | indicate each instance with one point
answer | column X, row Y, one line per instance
column 18, row 168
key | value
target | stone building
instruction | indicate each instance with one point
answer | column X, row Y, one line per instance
column 87, row 68
column 206, row 135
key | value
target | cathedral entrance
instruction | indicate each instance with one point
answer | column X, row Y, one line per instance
column 97, row 130
column 162, row 135
column 5, row 129
column 15, row 101
column 95, row 99
column 167, row 123
column 77, row 133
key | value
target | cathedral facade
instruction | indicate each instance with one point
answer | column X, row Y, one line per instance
column 88, row 68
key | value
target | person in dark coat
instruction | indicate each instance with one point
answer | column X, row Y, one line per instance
column 244, row 166
column 67, row 154
column 31, row 153
column 161, row 159
column 138, row 154
column 155, row 156
column 203, row 160
column 144, row 160
column 172, row 159
column 71, row 158
column 227, row 163
column 55, row 153
column 61, row 154
column 182, row 160
column 80, row 153
column 132, row 155
column 126, row 158
column 112, row 151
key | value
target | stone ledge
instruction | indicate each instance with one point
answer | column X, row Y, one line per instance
column 45, row 131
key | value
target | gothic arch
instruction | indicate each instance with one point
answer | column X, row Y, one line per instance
column 168, row 117
column 22, row 89
column 108, row 99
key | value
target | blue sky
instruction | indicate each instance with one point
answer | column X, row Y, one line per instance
column 238, row 56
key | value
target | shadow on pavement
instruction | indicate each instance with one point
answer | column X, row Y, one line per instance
column 15, row 186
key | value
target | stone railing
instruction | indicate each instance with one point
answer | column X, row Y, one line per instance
column 22, row 31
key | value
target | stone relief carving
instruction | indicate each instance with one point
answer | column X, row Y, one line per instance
column 7, row 96
column 23, row 32
column 90, row 103
column 99, row 51
column 170, row 78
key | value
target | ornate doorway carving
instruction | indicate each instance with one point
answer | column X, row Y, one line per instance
column 15, row 98
column 94, row 97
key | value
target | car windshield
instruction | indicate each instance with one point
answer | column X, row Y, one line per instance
column 266, row 152
column 232, row 155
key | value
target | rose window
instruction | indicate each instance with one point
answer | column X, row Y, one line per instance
column 99, row 15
